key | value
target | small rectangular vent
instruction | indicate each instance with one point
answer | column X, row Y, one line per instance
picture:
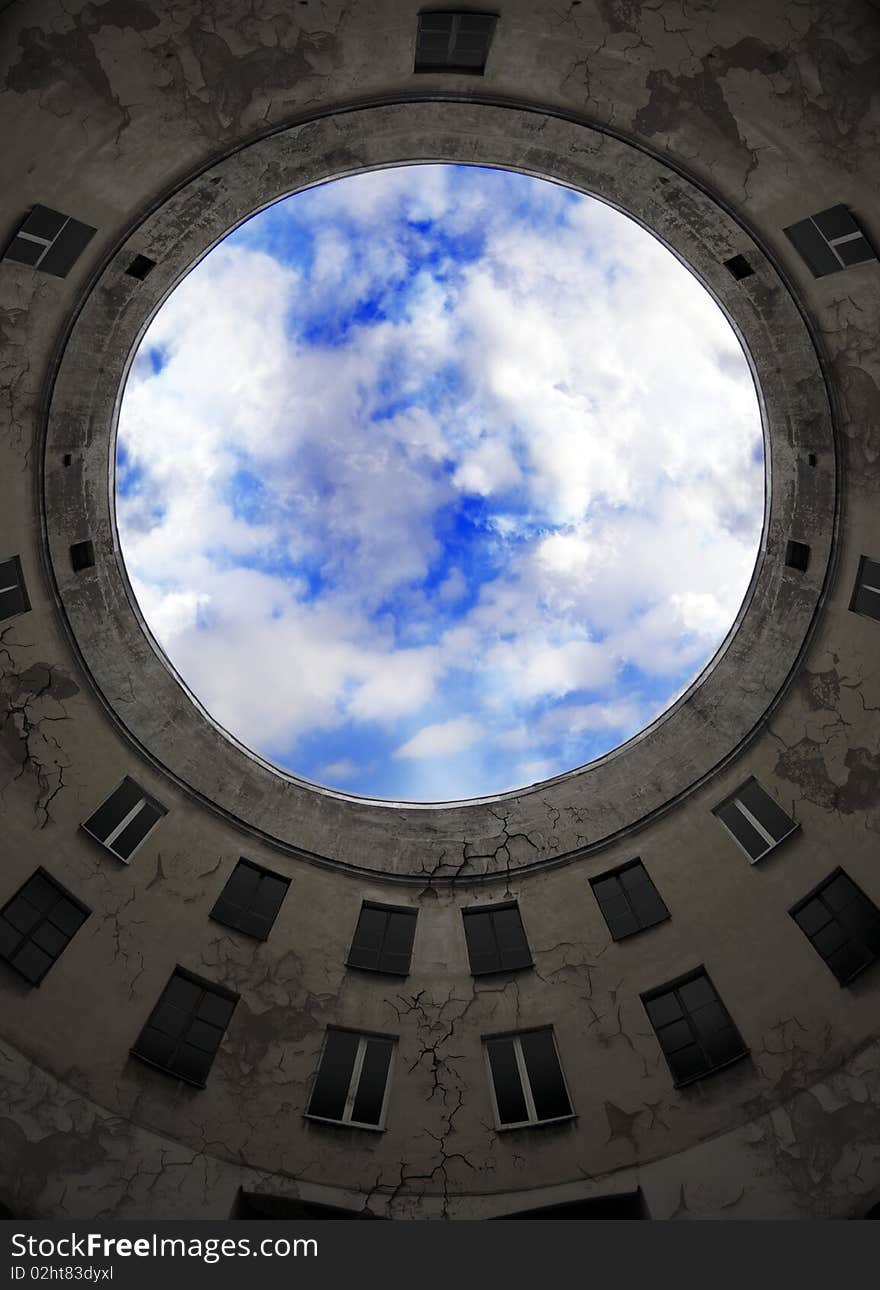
column 830, row 241
column 49, row 241
column 140, row 266
column 449, row 41
column 82, row 556
column 738, row 267
column 797, row 556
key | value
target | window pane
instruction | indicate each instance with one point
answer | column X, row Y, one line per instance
column 40, row 892
column 765, row 809
column 723, row 1045
column 840, row 892
column 22, row 914
column 811, row 917
column 545, row 1076
column 115, row 809
column 155, row 1046
column 710, row 1019
column 663, row 1009
column 204, row 1037
column 605, row 888
column 215, row 1008
column 505, row 1077
column 648, row 906
column 623, row 924
column 32, row 962
column 675, row 1036
column 694, row 994
column 371, row 1088
column 268, row 896
column 634, row 877
column 243, row 882
column 334, row 1076
column 687, row 1063
column 49, row 939
column 848, row 960
column 182, row 992
column 481, row 943
column 136, row 830
column 66, row 916
column 829, row 939
column 192, row 1063
column 169, row 1020
column 399, row 934
column 745, row 833
column 511, row 938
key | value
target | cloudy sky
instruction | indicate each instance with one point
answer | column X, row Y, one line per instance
column 438, row 481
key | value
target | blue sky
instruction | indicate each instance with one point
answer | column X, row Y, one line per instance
column 437, row 481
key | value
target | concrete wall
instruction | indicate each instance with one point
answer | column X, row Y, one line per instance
column 108, row 110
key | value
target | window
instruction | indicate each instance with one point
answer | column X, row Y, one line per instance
column 527, row 1080
column 757, row 822
column 866, row 595
column 738, row 267
column 843, row 925
column 628, row 899
column 693, row 1026
column 829, row 241
column 186, row 1026
column 251, row 899
column 13, row 597
column 125, row 819
column 82, row 556
column 140, row 267
column 49, row 241
column 496, row 939
column 352, row 1081
column 383, row 939
column 37, row 924
column 797, row 556
column 453, row 42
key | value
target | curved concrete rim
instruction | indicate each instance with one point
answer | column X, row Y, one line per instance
column 571, row 813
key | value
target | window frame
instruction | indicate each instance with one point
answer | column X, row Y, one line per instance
column 18, row 585
column 861, row 585
column 423, row 66
column 525, row 1082
column 390, row 909
column 647, row 996
column 364, row 1036
column 263, row 871
column 145, row 799
column 615, row 873
column 63, row 894
column 210, row 987
column 772, row 844
column 816, row 894
column 490, row 909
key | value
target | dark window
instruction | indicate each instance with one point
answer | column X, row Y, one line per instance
column 866, row 596
column 125, row 819
column 251, row 899
column 37, row 924
column 352, row 1079
column 186, row 1026
column 693, row 1026
column 739, row 267
column 628, row 899
column 383, row 939
column 453, row 42
column 140, row 266
column 527, row 1078
column 49, row 241
column 843, row 925
column 755, row 819
column 496, row 939
column 830, row 241
column 797, row 556
column 82, row 556
column 13, row 596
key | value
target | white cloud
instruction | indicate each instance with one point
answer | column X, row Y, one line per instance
column 441, row 739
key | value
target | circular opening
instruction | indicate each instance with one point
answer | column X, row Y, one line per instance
column 438, row 481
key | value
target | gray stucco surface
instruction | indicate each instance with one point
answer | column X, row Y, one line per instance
column 756, row 115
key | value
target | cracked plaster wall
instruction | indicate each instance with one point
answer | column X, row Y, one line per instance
column 775, row 107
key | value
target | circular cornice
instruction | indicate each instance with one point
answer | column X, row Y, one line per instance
column 561, row 818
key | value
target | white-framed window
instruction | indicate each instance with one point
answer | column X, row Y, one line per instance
column 830, row 241
column 866, row 594
column 353, row 1079
column 13, row 596
column 755, row 820
column 526, row 1079
column 122, row 822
